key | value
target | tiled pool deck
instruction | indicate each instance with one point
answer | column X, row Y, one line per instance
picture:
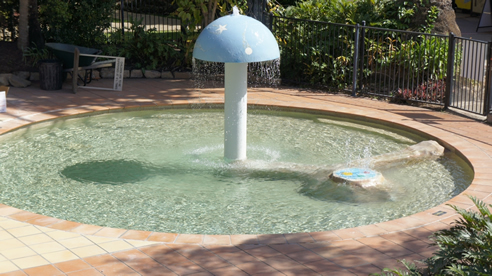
column 32, row 244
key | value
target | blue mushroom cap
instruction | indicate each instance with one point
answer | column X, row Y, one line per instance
column 236, row 39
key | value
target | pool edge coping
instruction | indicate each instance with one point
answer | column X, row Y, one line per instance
column 414, row 221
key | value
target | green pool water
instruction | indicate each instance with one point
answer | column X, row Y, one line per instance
column 163, row 170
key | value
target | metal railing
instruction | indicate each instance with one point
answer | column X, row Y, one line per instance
column 469, row 86
column 149, row 14
column 405, row 66
column 315, row 52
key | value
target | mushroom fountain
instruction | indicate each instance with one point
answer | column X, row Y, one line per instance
column 236, row 40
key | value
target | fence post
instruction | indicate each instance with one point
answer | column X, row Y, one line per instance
column 488, row 82
column 362, row 50
column 356, row 61
column 449, row 71
column 122, row 20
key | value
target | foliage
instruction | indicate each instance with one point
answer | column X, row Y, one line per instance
column 315, row 52
column 33, row 55
column 80, row 22
column 389, row 14
column 196, row 15
column 8, row 20
column 464, row 249
column 322, row 53
column 146, row 49
column 156, row 7
column 430, row 91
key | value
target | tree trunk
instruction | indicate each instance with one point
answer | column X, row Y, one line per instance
column 23, row 41
column 35, row 36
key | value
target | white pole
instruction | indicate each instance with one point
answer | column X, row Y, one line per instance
column 235, row 111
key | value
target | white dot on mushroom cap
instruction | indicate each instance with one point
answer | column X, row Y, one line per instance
column 248, row 51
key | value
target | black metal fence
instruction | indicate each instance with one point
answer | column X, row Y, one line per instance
column 470, row 83
column 148, row 14
column 405, row 66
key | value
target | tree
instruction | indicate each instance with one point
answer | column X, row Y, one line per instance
column 23, row 41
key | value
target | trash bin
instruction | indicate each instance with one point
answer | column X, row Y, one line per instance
column 50, row 74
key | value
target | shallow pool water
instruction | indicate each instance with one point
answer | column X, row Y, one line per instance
column 162, row 170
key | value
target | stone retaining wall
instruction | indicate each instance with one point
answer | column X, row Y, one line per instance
column 24, row 78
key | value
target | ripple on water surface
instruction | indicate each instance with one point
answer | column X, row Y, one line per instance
column 162, row 170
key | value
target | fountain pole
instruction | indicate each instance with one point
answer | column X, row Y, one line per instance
column 236, row 40
column 235, row 111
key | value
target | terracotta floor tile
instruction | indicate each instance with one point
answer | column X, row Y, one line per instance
column 24, row 231
column 116, row 269
column 61, row 235
column 187, row 238
column 31, row 261
column 238, row 258
column 326, row 236
column 348, row 261
column 329, row 251
column 162, row 237
column 287, row 248
column 299, row 271
column 169, row 258
column 24, row 216
column 365, row 270
column 87, row 229
column 272, row 239
column 19, row 252
column 47, row 247
column 217, row 249
column 281, row 262
column 244, row 239
column 65, row 225
column 14, row 273
column 59, row 256
column 217, row 239
column 254, row 268
column 110, row 232
column 4, row 235
column 114, row 246
column 185, row 268
column 351, row 233
column 9, row 244
column 71, row 266
column 228, row 271
column 299, row 238
column 88, row 251
column 305, row 256
column 11, row 224
column 7, row 266
column 86, row 272
column 323, row 266
column 136, row 235
column 149, row 267
column 262, row 252
column 46, row 270
column 100, row 260
column 75, row 242
column 36, row 239
column 211, row 263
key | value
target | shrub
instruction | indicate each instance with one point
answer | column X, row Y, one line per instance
column 80, row 22
column 8, row 20
column 146, row 49
column 464, row 249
